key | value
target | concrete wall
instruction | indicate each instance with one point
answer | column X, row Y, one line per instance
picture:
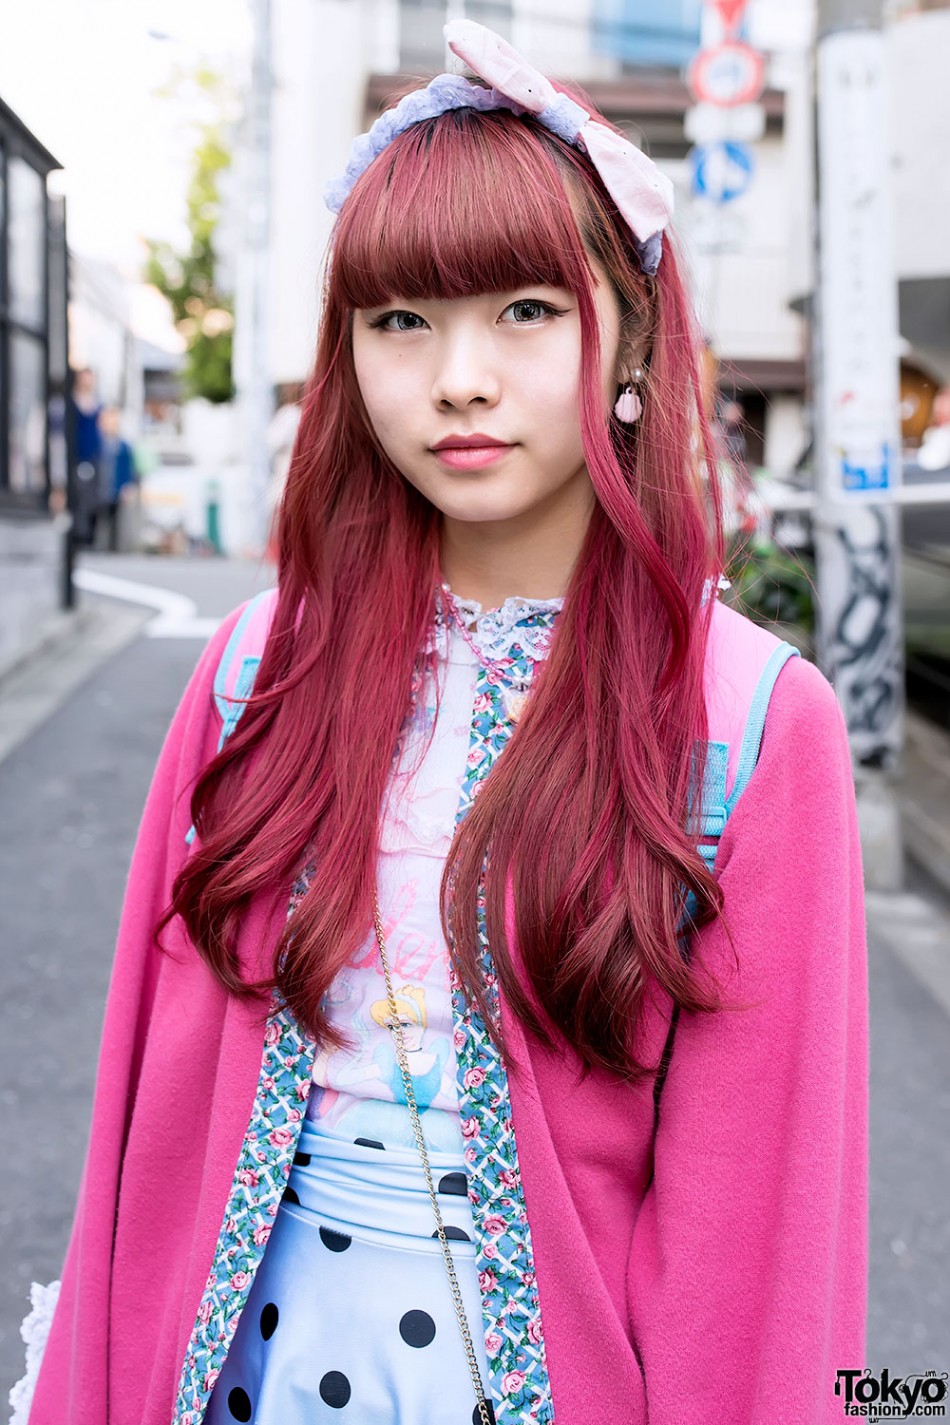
column 742, row 291
column 30, row 584
column 919, row 51
column 323, row 51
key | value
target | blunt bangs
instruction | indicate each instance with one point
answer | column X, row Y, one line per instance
column 456, row 206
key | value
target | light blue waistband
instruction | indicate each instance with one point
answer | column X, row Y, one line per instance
column 379, row 1194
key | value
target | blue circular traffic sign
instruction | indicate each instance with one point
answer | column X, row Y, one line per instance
column 722, row 170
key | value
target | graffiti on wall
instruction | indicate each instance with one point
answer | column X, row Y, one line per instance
column 861, row 618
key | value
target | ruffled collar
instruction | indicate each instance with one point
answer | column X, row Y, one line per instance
column 525, row 621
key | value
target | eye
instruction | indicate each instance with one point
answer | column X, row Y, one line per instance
column 541, row 309
column 382, row 322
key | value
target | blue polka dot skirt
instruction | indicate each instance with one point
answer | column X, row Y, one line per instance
column 350, row 1316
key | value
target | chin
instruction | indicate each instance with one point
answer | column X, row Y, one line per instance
column 482, row 512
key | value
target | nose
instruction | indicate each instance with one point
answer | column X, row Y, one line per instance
column 466, row 370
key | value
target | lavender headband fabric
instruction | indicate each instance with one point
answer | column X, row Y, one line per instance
column 564, row 117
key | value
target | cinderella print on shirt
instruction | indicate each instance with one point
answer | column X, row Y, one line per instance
column 359, row 1092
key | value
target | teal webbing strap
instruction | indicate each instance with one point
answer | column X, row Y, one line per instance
column 237, row 633
column 715, row 806
column 715, row 810
column 231, row 707
column 755, row 722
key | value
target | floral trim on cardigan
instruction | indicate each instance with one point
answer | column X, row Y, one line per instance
column 514, row 1340
column 260, row 1178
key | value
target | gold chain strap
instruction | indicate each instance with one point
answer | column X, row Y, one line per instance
column 396, row 1027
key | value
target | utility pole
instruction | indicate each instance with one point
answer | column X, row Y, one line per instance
column 257, row 399
column 858, row 444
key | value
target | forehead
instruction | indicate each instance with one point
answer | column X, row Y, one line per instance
column 460, row 206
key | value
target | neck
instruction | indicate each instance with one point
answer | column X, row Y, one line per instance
column 491, row 562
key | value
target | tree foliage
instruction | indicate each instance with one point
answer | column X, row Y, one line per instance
column 188, row 279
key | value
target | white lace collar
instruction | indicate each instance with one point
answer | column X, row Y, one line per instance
column 528, row 622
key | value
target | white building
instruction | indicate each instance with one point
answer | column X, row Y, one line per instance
column 919, row 46
column 917, row 43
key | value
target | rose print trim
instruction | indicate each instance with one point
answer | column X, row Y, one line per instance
column 260, row 1178
column 514, row 1339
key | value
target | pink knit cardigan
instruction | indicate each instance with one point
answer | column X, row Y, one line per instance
column 716, row 1274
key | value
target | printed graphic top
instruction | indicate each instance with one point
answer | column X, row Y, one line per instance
column 359, row 1093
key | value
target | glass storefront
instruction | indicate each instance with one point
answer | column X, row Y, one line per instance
column 26, row 435
column 26, row 387
column 26, row 240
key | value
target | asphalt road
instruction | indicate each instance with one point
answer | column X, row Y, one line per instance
column 72, row 793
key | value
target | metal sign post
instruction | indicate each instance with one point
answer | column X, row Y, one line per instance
column 256, row 399
column 725, row 79
column 860, row 629
column 722, row 170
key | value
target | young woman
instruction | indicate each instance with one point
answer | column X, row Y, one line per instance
column 442, row 1079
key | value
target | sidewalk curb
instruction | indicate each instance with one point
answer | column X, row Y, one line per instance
column 69, row 652
column 54, row 630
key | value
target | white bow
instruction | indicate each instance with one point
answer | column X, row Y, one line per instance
column 643, row 194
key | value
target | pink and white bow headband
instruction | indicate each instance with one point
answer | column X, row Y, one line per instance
column 643, row 194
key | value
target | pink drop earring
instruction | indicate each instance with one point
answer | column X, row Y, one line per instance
column 628, row 406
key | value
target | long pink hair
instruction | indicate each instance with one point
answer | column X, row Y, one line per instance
column 586, row 810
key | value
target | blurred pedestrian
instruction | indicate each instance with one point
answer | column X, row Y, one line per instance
column 733, row 436
column 86, row 408
column 117, row 477
column 742, row 514
column 417, row 1078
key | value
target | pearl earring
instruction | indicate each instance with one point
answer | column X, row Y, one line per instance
column 629, row 407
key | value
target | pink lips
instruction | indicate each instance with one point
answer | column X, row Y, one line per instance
column 471, row 457
column 470, row 452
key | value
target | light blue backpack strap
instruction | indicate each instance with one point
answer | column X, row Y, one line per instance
column 231, row 704
column 716, row 806
column 755, row 721
column 716, row 809
column 712, row 805
column 224, row 700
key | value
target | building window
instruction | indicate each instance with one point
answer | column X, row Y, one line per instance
column 27, row 238
column 645, row 32
column 27, row 414
column 25, row 375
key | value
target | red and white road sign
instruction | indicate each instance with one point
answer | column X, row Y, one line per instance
column 731, row 73
column 729, row 11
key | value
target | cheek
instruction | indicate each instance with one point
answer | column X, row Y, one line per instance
column 547, row 376
column 557, row 402
column 387, row 392
column 376, row 389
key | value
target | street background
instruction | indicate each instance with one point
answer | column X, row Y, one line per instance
column 162, row 166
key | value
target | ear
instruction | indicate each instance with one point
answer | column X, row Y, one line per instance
column 631, row 362
column 632, row 374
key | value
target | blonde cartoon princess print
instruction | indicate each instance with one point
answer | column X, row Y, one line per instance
column 425, row 1065
column 361, row 1093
